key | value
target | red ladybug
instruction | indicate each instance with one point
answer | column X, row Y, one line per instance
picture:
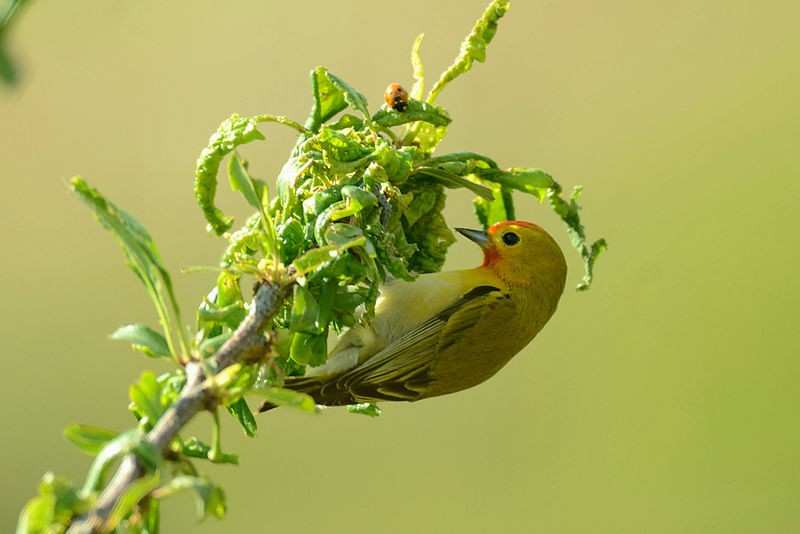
column 396, row 97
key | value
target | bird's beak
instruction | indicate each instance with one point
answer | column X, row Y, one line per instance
column 478, row 237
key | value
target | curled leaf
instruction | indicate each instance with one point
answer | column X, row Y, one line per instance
column 568, row 211
column 233, row 132
column 473, row 48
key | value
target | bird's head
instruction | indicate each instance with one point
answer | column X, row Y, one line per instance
column 521, row 253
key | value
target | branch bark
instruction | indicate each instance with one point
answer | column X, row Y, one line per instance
column 246, row 342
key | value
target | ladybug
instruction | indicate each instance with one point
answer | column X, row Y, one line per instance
column 396, row 97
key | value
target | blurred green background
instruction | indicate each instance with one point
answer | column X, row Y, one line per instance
column 663, row 400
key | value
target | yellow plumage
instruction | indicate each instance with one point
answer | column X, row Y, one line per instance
column 448, row 331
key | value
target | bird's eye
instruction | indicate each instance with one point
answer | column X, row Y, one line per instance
column 510, row 238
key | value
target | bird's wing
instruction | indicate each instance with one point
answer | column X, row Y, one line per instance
column 401, row 370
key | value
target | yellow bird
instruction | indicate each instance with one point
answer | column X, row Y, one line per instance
column 448, row 331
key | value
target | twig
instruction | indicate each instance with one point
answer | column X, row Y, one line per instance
column 247, row 342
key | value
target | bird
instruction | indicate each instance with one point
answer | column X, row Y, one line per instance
column 447, row 331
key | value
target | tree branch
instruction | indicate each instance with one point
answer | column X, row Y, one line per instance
column 245, row 343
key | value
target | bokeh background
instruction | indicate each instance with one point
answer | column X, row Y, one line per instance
column 664, row 400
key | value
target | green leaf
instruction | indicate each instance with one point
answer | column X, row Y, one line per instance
column 194, row 448
column 309, row 349
column 315, row 258
column 419, row 69
column 280, row 119
column 171, row 385
column 355, row 99
column 453, row 181
column 471, row 159
column 532, row 181
column 8, row 72
column 151, row 521
column 89, row 439
column 500, row 208
column 233, row 132
column 426, row 136
column 568, row 211
column 130, row 441
column 133, row 494
column 9, row 11
column 210, row 497
column 230, row 315
column 290, row 240
column 287, row 397
column 314, row 205
column 342, row 234
column 397, row 163
column 431, row 236
column 342, row 150
column 319, row 257
column 244, row 243
column 144, row 339
column 328, row 99
column 416, row 111
column 473, row 48
column 142, row 255
column 51, row 511
column 305, row 312
column 37, row 515
column 369, row 409
column 241, row 411
column 423, row 202
column 358, row 198
column 145, row 397
column 241, row 181
column 348, row 121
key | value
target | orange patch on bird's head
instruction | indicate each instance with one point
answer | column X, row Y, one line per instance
column 518, row 251
column 500, row 226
